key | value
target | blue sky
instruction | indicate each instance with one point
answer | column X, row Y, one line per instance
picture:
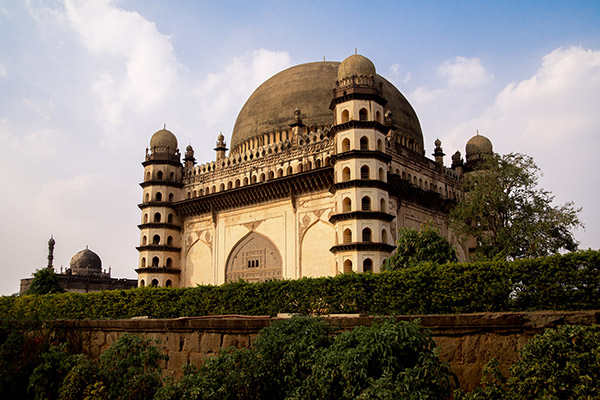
column 84, row 84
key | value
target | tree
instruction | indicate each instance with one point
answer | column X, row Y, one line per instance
column 416, row 247
column 508, row 215
column 45, row 281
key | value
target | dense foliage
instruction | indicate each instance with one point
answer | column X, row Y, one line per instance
column 509, row 216
column 562, row 363
column 45, row 281
column 298, row 359
column 418, row 247
column 561, row 282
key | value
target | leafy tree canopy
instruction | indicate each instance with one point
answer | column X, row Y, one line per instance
column 45, row 281
column 508, row 215
column 417, row 247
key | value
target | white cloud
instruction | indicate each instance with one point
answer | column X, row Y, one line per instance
column 397, row 76
column 3, row 70
column 464, row 72
column 138, row 66
column 223, row 93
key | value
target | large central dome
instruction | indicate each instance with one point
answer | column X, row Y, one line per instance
column 309, row 87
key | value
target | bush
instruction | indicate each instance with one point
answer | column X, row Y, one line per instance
column 298, row 359
column 560, row 363
column 561, row 282
column 45, row 281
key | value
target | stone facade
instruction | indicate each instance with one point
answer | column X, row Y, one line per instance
column 467, row 341
column 316, row 189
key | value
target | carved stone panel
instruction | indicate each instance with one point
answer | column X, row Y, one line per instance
column 254, row 259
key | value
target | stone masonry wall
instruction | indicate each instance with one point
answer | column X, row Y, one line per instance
column 467, row 341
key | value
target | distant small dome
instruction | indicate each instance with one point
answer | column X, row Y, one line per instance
column 355, row 65
column 437, row 142
column 86, row 262
column 478, row 145
column 51, row 242
column 164, row 138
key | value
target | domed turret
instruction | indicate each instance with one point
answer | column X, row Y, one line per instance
column 478, row 146
column 355, row 65
column 86, row 262
column 164, row 139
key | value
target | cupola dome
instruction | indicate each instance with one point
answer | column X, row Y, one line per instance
column 355, row 65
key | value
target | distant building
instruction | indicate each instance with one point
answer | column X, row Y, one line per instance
column 327, row 162
column 84, row 274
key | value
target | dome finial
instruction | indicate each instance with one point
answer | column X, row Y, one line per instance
column 165, row 125
column 355, row 51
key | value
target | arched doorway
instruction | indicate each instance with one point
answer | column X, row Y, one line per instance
column 254, row 259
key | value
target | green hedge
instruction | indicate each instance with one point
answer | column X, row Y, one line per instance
column 561, row 282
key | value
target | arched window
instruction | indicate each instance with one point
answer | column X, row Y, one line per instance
column 289, row 171
column 158, row 196
column 157, row 217
column 345, row 116
column 347, row 235
column 262, row 177
column 380, row 145
column 381, row 174
column 156, row 239
column 346, row 204
column 144, row 240
column 171, row 197
column 148, row 176
column 403, row 174
column 237, row 183
column 145, row 218
column 300, row 167
column 168, row 283
column 142, row 283
column 366, row 235
column 346, row 144
column 245, row 181
column 420, row 182
column 347, row 266
column 221, row 187
column 363, row 114
column 154, row 282
column 346, row 174
column 169, row 263
column 189, row 195
column 172, row 176
column 159, row 175
column 318, row 163
column 365, row 203
column 147, row 197
column 194, row 194
column 364, row 172
column 271, row 175
column 155, row 261
column 213, row 189
column 280, row 172
column 143, row 264
column 170, row 241
column 229, row 185
column 170, row 219
column 382, row 207
column 384, row 238
column 368, row 265
column 364, row 143
column 378, row 116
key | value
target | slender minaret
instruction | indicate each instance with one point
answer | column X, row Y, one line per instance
column 51, row 244
column 361, row 220
column 160, row 230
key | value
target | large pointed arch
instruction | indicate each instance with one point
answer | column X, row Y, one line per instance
column 254, row 258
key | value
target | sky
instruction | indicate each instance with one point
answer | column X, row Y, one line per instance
column 85, row 84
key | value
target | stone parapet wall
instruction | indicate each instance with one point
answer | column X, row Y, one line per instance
column 467, row 341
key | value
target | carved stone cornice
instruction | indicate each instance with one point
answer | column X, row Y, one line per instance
column 359, row 183
column 378, row 155
column 359, row 125
column 289, row 187
column 363, row 246
column 159, row 161
column 158, row 270
column 155, row 204
column 162, row 182
column 159, row 247
column 377, row 215
column 160, row 225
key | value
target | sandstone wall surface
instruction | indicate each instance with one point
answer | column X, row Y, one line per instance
column 467, row 341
